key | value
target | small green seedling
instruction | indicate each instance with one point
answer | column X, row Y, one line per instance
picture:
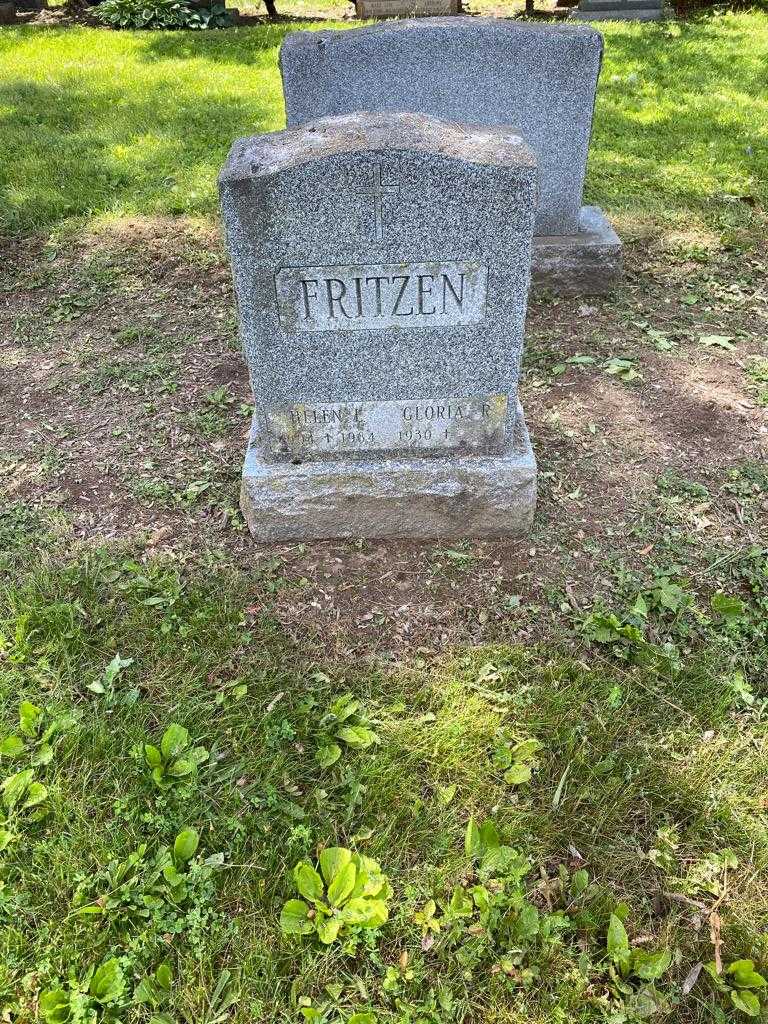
column 131, row 890
column 724, row 341
column 348, row 894
column 574, row 888
column 328, row 1013
column 704, row 877
column 343, row 723
column 427, row 920
column 632, row 973
column 225, row 995
column 98, row 995
column 494, row 922
column 105, row 686
column 626, row 640
column 220, row 398
column 231, row 691
column 664, row 854
column 36, row 735
column 483, row 846
column 175, row 862
column 154, row 989
column 23, row 797
column 708, row 875
column 741, row 983
column 21, row 792
column 624, row 369
column 176, row 761
column 627, row 962
column 458, row 557
column 29, row 718
column 661, row 598
column 516, row 760
column 728, row 609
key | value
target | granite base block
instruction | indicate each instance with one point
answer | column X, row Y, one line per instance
column 457, row 496
column 587, row 263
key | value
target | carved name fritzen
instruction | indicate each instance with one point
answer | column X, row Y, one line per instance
column 364, row 298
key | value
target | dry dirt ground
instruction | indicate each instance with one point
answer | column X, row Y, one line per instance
column 124, row 408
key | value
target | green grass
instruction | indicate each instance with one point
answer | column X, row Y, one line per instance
column 652, row 724
column 625, row 751
column 140, row 122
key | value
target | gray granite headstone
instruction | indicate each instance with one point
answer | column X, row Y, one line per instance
column 539, row 78
column 381, row 264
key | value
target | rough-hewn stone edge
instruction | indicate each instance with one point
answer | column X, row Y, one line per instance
column 262, row 156
column 588, row 263
column 490, row 496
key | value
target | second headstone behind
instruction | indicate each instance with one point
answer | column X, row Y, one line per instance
column 541, row 79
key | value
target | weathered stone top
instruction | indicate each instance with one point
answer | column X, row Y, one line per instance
column 264, row 155
column 483, row 71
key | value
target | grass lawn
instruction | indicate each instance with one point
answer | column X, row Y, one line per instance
column 185, row 717
column 141, row 122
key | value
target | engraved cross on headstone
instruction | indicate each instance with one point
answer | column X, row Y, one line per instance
column 379, row 192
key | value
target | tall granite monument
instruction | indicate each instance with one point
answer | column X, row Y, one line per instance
column 541, row 79
column 381, row 264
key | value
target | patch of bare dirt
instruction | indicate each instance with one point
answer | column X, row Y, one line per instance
column 125, row 404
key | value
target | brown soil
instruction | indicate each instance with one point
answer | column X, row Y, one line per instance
column 124, row 404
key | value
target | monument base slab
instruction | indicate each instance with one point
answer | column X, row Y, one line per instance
column 491, row 495
column 587, row 263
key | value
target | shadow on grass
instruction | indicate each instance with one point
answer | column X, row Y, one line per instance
column 679, row 117
column 245, row 45
column 145, row 123
column 89, row 147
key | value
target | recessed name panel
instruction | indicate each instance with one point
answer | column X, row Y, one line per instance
column 366, row 298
